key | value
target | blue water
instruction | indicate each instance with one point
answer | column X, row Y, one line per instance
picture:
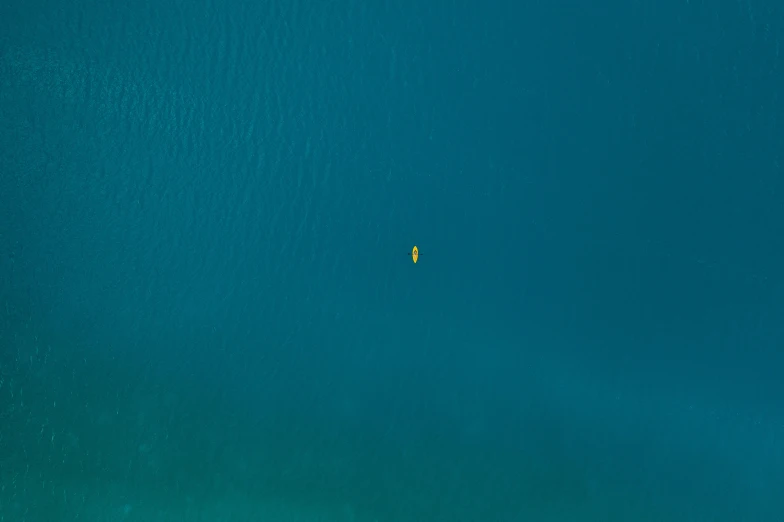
column 208, row 310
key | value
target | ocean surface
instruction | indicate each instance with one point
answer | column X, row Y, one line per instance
column 208, row 307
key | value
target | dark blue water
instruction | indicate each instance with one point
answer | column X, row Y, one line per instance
column 208, row 310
